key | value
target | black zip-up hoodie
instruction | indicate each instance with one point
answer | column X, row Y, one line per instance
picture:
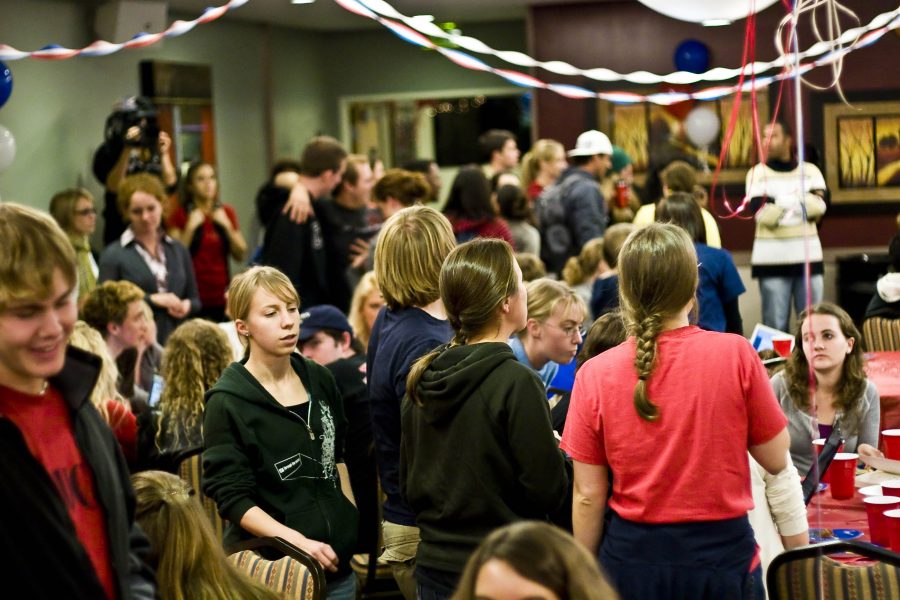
column 258, row 453
column 479, row 453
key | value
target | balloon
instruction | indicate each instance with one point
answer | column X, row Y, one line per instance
column 679, row 110
column 7, row 148
column 5, row 83
column 702, row 126
column 698, row 11
column 692, row 56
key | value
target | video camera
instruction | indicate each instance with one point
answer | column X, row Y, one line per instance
column 135, row 111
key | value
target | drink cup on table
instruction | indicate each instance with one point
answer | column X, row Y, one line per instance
column 891, row 443
column 891, row 487
column 843, row 475
column 893, row 521
column 819, row 445
column 782, row 345
column 879, row 525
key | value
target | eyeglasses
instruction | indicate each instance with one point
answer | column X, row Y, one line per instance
column 86, row 212
column 570, row 330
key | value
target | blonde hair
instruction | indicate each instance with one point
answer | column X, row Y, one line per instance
column 191, row 564
column 546, row 296
column 411, row 248
column 34, row 246
column 657, row 278
column 476, row 279
column 139, row 182
column 89, row 339
column 244, row 286
column 62, row 206
column 542, row 151
column 541, row 553
column 195, row 355
column 581, row 268
column 367, row 284
column 613, row 241
column 532, row 266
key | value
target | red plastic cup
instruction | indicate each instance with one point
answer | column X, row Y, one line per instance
column 879, row 527
column 891, row 443
column 893, row 523
column 819, row 445
column 782, row 345
column 843, row 475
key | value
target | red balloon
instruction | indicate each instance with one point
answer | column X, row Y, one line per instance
column 679, row 110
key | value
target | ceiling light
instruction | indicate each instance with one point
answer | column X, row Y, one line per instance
column 715, row 22
column 302, row 1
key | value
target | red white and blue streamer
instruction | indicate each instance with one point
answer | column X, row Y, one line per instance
column 410, row 35
column 104, row 48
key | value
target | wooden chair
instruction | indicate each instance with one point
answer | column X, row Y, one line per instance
column 190, row 469
column 297, row 575
column 881, row 334
column 808, row 573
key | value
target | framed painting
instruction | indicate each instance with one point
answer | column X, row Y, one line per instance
column 654, row 135
column 862, row 150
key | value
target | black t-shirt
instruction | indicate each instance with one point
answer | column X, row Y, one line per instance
column 340, row 228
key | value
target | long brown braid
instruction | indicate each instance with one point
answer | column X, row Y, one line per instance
column 657, row 279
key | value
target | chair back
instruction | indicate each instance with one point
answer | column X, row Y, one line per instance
column 190, row 469
column 295, row 576
column 881, row 334
column 809, row 573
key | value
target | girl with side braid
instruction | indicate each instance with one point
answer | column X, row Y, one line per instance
column 673, row 432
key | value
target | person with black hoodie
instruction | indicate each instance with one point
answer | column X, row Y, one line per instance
column 478, row 451
column 274, row 432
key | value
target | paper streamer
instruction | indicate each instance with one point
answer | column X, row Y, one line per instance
column 410, row 35
column 104, row 48
column 376, row 8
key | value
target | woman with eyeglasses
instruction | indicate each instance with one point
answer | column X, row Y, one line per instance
column 553, row 330
column 273, row 436
column 74, row 210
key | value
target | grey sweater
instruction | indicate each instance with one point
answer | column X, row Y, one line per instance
column 800, row 424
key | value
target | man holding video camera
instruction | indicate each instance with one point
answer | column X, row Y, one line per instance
column 133, row 144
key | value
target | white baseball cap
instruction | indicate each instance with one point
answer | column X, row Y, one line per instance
column 592, row 143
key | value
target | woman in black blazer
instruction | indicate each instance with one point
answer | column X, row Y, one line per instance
column 146, row 256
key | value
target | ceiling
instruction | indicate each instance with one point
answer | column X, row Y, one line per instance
column 327, row 15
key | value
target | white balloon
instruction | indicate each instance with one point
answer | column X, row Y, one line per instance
column 702, row 126
column 7, row 148
column 698, row 11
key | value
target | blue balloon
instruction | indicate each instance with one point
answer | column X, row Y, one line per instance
column 5, row 83
column 692, row 56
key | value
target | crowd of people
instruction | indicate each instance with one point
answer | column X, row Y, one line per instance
column 386, row 377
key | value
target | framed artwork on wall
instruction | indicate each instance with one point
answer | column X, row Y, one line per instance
column 654, row 135
column 862, row 150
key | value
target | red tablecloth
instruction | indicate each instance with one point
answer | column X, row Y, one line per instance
column 826, row 512
column 883, row 369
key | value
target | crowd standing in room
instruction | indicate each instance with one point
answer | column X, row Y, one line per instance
column 400, row 381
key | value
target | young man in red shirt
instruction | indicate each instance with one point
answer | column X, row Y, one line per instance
column 68, row 520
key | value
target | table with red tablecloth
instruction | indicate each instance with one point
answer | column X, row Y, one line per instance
column 883, row 369
column 826, row 512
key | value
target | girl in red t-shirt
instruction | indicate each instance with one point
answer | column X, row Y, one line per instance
column 674, row 432
column 209, row 229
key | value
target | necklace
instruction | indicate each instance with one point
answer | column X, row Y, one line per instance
column 44, row 387
column 308, row 422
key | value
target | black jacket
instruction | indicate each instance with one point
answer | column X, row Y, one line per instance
column 479, row 453
column 42, row 556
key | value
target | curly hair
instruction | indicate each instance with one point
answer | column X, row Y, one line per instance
column 196, row 354
column 108, row 303
column 852, row 384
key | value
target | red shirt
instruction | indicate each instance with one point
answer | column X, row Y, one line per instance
column 714, row 402
column 534, row 190
column 211, row 257
column 46, row 426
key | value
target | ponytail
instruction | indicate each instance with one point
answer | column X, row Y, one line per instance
column 421, row 365
column 646, row 331
column 530, row 166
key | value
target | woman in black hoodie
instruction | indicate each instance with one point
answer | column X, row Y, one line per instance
column 478, row 450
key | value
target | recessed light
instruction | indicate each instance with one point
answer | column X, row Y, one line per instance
column 715, row 22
